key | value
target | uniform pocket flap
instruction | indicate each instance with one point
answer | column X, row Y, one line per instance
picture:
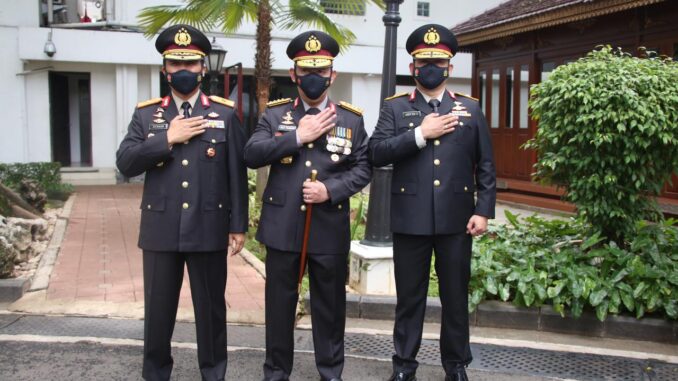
column 462, row 187
column 404, row 188
column 274, row 197
column 153, row 203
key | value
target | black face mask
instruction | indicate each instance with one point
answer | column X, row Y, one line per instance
column 314, row 85
column 184, row 81
column 430, row 76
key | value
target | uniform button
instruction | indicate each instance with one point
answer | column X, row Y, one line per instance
column 148, row 206
column 184, row 184
column 402, row 190
column 185, row 205
column 465, row 189
column 186, row 142
column 160, row 164
column 270, row 199
column 214, row 141
column 461, row 123
column 436, row 142
column 339, row 206
column 411, row 124
column 221, row 206
column 308, row 163
column 150, row 135
column 436, row 162
column 184, row 162
column 309, row 145
column 303, row 208
column 436, row 183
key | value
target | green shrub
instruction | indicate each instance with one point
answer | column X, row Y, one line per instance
column 47, row 175
column 608, row 133
column 566, row 264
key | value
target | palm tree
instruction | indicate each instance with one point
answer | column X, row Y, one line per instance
column 229, row 16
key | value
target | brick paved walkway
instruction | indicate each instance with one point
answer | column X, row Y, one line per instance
column 99, row 259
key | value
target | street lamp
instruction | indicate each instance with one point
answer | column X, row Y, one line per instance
column 215, row 62
column 377, row 230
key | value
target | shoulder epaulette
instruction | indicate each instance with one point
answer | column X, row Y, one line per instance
column 398, row 95
column 279, row 102
column 467, row 96
column 350, row 107
column 223, row 101
column 149, row 102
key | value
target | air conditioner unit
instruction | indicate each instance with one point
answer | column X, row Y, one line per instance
column 94, row 10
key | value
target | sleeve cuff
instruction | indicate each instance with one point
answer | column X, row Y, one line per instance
column 419, row 137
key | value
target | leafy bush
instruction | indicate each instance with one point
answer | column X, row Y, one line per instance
column 566, row 264
column 47, row 175
column 608, row 133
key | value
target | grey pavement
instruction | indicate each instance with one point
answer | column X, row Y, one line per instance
column 85, row 348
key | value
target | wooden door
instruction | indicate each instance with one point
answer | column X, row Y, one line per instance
column 503, row 90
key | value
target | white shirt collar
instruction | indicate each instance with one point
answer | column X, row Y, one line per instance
column 178, row 101
column 320, row 107
column 439, row 97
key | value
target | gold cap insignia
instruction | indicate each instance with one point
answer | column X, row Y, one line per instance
column 182, row 38
column 432, row 37
column 313, row 45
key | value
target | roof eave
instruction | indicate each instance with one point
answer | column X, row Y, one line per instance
column 562, row 15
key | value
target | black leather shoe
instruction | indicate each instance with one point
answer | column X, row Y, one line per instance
column 459, row 374
column 332, row 379
column 402, row 376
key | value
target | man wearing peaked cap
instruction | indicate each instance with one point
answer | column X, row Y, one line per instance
column 296, row 137
column 194, row 204
column 439, row 144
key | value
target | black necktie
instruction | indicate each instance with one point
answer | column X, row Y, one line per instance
column 313, row 111
column 186, row 106
column 434, row 103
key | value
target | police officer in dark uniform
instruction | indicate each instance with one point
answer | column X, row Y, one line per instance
column 440, row 148
column 295, row 137
column 194, row 204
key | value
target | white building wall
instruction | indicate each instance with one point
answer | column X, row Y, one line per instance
column 124, row 67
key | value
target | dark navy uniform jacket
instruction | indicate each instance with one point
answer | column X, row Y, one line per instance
column 432, row 191
column 195, row 193
column 283, row 214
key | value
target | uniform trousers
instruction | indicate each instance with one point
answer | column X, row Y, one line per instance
column 412, row 261
column 327, row 276
column 163, row 275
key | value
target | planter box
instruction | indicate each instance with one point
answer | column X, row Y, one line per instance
column 13, row 289
column 505, row 315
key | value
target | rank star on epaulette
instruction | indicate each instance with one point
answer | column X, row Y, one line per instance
column 467, row 96
column 356, row 110
column 223, row 101
column 149, row 102
column 278, row 102
column 398, row 95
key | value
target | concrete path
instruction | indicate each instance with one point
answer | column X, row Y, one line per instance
column 99, row 271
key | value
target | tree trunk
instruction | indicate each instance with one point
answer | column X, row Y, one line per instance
column 262, row 73
column 15, row 200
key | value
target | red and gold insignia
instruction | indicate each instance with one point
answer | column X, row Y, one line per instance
column 211, row 152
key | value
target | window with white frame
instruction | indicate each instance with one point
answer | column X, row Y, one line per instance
column 423, row 8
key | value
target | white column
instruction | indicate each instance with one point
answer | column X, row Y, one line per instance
column 126, row 81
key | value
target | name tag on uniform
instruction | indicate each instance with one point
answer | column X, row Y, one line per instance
column 411, row 114
column 283, row 127
column 461, row 113
column 215, row 124
column 158, row 126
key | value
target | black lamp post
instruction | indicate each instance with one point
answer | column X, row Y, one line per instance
column 378, row 231
column 215, row 62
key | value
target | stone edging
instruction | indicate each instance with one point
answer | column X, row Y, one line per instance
column 13, row 289
column 253, row 261
column 505, row 315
